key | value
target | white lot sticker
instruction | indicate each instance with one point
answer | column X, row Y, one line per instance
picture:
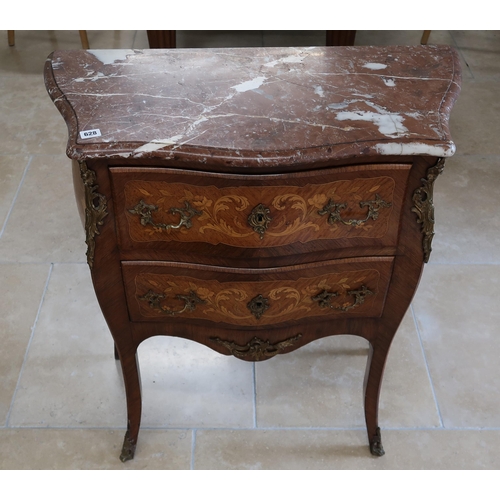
column 87, row 134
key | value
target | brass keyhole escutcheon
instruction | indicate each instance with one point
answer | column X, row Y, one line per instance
column 258, row 305
column 259, row 219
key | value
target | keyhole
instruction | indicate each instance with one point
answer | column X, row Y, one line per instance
column 260, row 218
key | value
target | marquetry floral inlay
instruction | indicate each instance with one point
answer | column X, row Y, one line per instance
column 262, row 216
column 256, row 303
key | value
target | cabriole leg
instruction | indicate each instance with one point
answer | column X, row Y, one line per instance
column 132, row 380
column 372, row 385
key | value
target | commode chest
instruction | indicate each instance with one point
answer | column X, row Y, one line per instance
column 255, row 200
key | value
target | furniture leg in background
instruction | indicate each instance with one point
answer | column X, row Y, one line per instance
column 166, row 39
column 11, row 36
column 340, row 38
column 425, row 37
column 161, row 39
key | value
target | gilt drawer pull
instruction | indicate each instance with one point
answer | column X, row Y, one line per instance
column 333, row 211
column 154, row 299
column 186, row 213
column 324, row 298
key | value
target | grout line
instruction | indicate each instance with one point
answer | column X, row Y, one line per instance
column 234, row 429
column 38, row 262
column 427, row 366
column 193, row 447
column 461, row 53
column 16, row 195
column 37, row 155
column 480, row 155
column 28, row 346
column 254, row 396
column 462, row 264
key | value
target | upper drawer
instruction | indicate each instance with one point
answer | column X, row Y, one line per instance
column 351, row 206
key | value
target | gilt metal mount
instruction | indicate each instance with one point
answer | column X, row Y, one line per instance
column 154, row 300
column 257, row 349
column 128, row 448
column 424, row 207
column 145, row 211
column 376, row 447
column 333, row 211
column 95, row 209
column 324, row 299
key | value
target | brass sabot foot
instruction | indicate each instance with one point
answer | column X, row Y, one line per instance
column 376, row 447
column 128, row 449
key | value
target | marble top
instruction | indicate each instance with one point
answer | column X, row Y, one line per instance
column 256, row 106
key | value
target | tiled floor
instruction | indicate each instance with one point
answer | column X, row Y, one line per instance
column 61, row 393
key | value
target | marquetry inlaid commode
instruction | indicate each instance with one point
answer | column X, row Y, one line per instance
column 256, row 200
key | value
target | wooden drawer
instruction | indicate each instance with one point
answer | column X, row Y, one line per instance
column 169, row 291
column 347, row 207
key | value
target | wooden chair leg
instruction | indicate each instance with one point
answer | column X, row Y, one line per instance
column 340, row 38
column 84, row 40
column 162, row 39
column 12, row 38
column 425, row 37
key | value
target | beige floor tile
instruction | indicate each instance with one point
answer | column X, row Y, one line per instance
column 475, row 119
column 465, row 200
column 406, row 398
column 187, row 384
column 84, row 449
column 321, row 385
column 30, row 122
column 32, row 48
column 111, row 39
column 47, row 133
column 71, row 379
column 458, row 315
column 22, row 290
column 12, row 168
column 141, row 40
column 314, row 450
column 29, row 45
column 44, row 225
column 481, row 50
column 295, row 38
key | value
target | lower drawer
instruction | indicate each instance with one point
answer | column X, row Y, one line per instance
column 166, row 292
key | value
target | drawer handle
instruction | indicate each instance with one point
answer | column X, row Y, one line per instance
column 154, row 299
column 324, row 298
column 258, row 306
column 259, row 219
column 333, row 211
column 186, row 213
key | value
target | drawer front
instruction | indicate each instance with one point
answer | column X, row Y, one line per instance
column 344, row 288
column 358, row 204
